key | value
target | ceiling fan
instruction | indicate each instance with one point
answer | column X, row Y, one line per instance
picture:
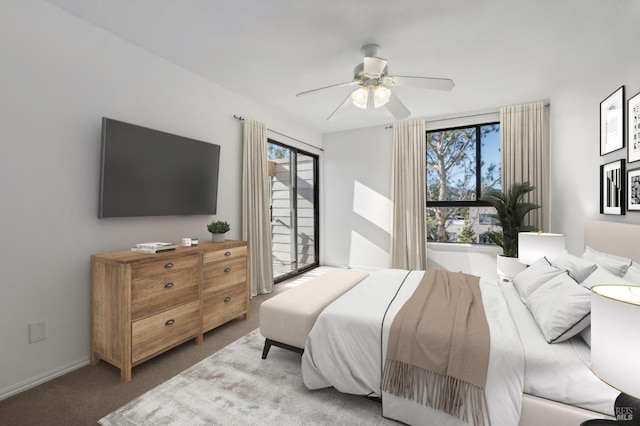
column 375, row 84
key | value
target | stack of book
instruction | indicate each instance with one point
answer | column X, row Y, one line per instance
column 155, row 247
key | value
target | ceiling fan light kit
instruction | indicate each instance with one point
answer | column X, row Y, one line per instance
column 375, row 84
column 370, row 97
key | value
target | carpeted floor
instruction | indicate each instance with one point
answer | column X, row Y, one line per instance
column 85, row 395
column 236, row 387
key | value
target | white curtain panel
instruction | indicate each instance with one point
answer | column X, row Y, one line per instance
column 256, row 226
column 524, row 142
column 408, row 237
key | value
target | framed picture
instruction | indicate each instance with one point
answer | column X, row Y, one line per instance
column 633, row 190
column 633, row 128
column 612, row 181
column 612, row 122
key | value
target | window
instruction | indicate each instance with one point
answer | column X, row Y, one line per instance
column 462, row 164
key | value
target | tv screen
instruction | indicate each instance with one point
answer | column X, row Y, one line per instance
column 147, row 172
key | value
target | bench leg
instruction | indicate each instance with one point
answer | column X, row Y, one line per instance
column 268, row 343
column 267, row 346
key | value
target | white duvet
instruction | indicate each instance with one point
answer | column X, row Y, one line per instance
column 347, row 346
column 576, row 385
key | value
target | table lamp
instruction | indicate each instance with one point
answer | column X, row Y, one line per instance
column 534, row 245
column 615, row 346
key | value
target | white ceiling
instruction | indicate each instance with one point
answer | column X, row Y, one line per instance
column 498, row 52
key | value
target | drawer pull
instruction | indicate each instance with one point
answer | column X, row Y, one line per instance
column 227, row 299
column 227, row 269
column 168, row 285
column 170, row 322
column 227, row 253
column 168, row 265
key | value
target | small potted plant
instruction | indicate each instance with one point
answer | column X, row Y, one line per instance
column 218, row 228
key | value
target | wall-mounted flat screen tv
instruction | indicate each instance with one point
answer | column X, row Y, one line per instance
column 147, row 172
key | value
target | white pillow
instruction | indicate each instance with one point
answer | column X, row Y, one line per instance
column 633, row 274
column 586, row 335
column 603, row 276
column 578, row 268
column 561, row 308
column 533, row 277
column 617, row 265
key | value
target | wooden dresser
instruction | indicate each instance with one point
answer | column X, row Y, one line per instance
column 145, row 304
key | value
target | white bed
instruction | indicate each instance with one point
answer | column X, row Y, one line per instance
column 349, row 358
column 535, row 382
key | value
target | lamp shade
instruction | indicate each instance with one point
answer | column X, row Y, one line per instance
column 534, row 245
column 615, row 342
column 381, row 96
column 360, row 97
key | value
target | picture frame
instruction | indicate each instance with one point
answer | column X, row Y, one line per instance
column 612, row 185
column 612, row 117
column 633, row 128
column 633, row 190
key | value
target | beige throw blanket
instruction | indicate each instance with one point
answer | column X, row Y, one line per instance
column 438, row 349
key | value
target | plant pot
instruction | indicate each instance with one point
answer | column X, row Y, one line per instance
column 508, row 267
column 217, row 238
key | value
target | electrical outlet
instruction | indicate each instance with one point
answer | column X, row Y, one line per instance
column 37, row 331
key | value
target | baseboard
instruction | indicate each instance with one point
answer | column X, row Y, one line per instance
column 365, row 268
column 359, row 267
column 42, row 378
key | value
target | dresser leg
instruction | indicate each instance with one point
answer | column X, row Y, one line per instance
column 125, row 374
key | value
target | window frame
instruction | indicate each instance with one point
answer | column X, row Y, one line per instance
column 294, row 151
column 456, row 204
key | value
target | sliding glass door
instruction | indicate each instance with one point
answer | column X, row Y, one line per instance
column 293, row 178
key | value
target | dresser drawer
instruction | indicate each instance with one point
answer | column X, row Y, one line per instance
column 225, row 305
column 230, row 253
column 157, row 333
column 222, row 275
column 164, row 264
column 156, row 293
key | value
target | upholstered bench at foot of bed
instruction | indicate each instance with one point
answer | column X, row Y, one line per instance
column 286, row 319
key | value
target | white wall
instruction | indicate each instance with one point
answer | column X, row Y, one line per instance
column 59, row 76
column 355, row 198
column 471, row 259
column 575, row 149
column 356, row 203
column 364, row 157
column 575, row 126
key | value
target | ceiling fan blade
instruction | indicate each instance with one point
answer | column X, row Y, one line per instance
column 374, row 66
column 348, row 83
column 421, row 82
column 397, row 108
column 344, row 103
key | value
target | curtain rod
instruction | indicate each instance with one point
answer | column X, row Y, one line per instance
column 390, row 126
column 238, row 117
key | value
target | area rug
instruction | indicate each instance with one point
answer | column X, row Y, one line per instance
column 235, row 386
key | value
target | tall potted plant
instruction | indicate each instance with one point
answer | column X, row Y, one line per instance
column 510, row 214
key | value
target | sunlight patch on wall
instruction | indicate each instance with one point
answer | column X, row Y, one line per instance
column 372, row 206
